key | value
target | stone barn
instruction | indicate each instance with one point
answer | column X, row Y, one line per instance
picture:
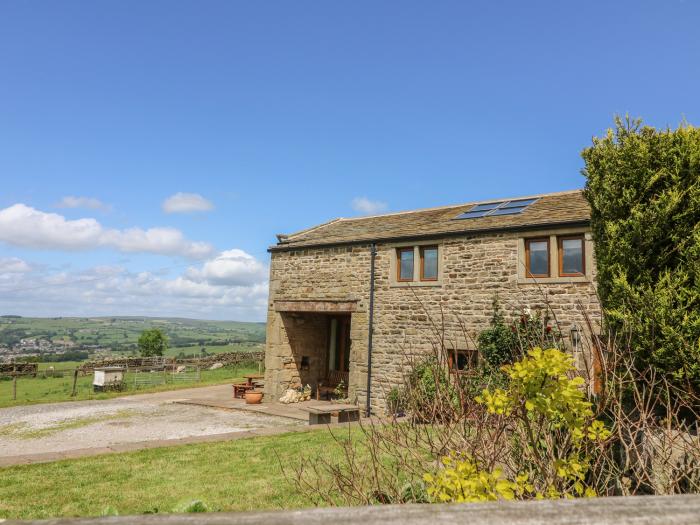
column 395, row 274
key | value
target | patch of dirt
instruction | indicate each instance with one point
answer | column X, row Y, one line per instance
column 60, row 427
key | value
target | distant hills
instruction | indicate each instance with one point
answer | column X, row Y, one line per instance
column 122, row 332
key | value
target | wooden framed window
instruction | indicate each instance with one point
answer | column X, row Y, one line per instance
column 463, row 360
column 404, row 264
column 537, row 257
column 572, row 260
column 428, row 263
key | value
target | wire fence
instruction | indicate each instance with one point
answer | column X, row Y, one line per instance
column 20, row 384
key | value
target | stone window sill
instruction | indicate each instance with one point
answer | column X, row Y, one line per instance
column 415, row 284
column 554, row 280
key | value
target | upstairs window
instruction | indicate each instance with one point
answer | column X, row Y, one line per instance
column 537, row 257
column 404, row 267
column 428, row 263
column 571, row 259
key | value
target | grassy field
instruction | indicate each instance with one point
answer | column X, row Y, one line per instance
column 231, row 476
column 194, row 351
column 118, row 332
column 55, row 389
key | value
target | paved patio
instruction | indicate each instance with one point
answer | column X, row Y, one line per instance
column 221, row 397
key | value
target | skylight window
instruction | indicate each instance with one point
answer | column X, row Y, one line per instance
column 512, row 207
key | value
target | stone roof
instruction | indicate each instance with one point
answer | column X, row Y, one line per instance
column 551, row 209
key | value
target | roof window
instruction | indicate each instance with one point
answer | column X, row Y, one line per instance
column 512, row 207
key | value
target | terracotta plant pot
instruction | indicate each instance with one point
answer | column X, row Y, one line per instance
column 253, row 397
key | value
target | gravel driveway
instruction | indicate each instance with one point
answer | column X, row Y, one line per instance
column 61, row 427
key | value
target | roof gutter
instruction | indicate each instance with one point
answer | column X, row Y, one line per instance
column 282, row 247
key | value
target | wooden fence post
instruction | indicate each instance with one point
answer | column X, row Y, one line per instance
column 75, row 382
column 14, row 383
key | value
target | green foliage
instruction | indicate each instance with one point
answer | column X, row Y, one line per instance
column 432, row 394
column 461, row 481
column 550, row 435
column 152, row 342
column 540, row 384
column 395, row 401
column 481, row 376
column 502, row 343
column 498, row 343
column 340, row 390
column 643, row 186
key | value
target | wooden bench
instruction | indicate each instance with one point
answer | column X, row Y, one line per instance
column 239, row 389
column 329, row 385
column 321, row 415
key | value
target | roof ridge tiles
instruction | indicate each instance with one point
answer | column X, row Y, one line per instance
column 556, row 208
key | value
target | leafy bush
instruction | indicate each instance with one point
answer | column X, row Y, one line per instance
column 526, row 431
column 395, row 401
column 643, row 186
column 461, row 481
column 498, row 343
column 433, row 395
column 553, row 423
column 482, row 376
column 503, row 343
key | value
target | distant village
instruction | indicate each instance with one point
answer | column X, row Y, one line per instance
column 47, row 350
column 77, row 339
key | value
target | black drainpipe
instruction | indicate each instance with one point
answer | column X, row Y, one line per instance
column 373, row 255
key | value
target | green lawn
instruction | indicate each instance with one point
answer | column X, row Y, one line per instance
column 230, row 476
column 54, row 389
column 60, row 365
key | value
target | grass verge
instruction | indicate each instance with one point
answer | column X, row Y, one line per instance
column 236, row 475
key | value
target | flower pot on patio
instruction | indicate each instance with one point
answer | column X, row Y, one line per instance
column 253, row 397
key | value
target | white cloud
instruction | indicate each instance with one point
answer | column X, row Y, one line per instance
column 91, row 203
column 185, row 203
column 10, row 265
column 232, row 285
column 368, row 207
column 22, row 225
column 230, row 268
column 166, row 241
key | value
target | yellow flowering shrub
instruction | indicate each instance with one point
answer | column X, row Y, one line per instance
column 552, row 423
column 461, row 481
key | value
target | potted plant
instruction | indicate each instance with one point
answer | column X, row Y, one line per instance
column 253, row 397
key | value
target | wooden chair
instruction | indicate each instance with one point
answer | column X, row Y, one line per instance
column 328, row 386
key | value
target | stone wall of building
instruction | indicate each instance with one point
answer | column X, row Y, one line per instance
column 473, row 270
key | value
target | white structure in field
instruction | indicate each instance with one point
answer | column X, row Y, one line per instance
column 108, row 376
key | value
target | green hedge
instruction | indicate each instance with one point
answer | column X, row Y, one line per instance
column 643, row 186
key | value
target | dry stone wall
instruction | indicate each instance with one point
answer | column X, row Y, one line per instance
column 227, row 358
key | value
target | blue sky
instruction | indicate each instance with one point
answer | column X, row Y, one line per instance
column 281, row 115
